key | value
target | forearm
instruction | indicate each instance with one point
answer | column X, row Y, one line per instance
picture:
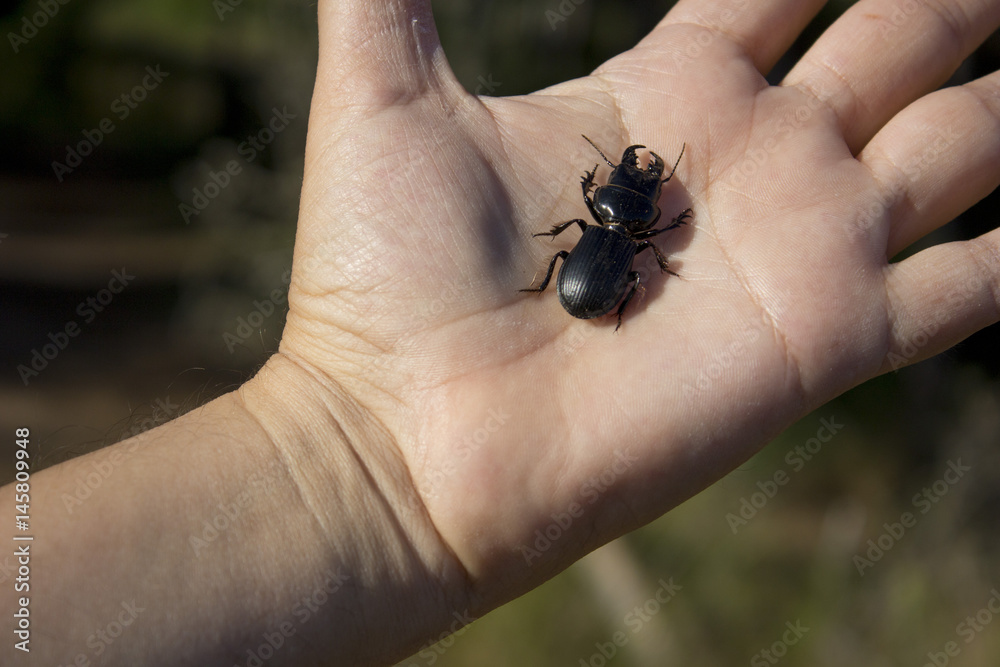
column 269, row 517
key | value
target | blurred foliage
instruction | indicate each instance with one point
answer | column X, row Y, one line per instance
column 198, row 278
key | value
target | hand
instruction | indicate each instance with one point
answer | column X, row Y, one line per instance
column 420, row 200
column 424, row 422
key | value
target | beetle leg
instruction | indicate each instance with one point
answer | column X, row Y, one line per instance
column 561, row 227
column 681, row 219
column 676, row 222
column 588, row 184
column 660, row 258
column 588, row 181
column 548, row 274
column 633, row 277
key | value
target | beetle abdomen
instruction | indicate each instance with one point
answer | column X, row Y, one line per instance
column 594, row 276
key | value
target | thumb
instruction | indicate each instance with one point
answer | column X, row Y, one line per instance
column 374, row 54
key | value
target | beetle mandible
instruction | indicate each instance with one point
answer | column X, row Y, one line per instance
column 598, row 270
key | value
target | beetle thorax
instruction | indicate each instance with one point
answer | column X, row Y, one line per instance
column 619, row 205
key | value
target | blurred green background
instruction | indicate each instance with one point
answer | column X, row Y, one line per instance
column 200, row 316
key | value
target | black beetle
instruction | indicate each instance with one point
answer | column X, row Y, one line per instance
column 596, row 272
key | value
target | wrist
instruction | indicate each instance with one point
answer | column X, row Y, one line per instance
column 353, row 483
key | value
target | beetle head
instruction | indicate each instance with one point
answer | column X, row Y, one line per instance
column 653, row 169
column 630, row 175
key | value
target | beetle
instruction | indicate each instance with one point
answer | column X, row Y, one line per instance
column 597, row 271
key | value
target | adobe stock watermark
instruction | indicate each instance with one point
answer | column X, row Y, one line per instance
column 427, row 312
column 162, row 410
column 487, row 86
column 245, row 326
column 227, row 514
column 796, row 458
column 224, row 516
column 417, row 319
column 562, row 12
column 588, row 494
column 967, row 630
column 433, row 650
column 7, row 569
column 121, row 107
column 695, row 49
column 104, row 463
column 944, row 139
column 635, row 620
column 470, row 444
column 223, row 7
column 249, row 150
column 898, row 17
column 30, row 25
column 911, row 347
column 773, row 654
column 101, row 639
column 924, row 502
column 58, row 341
column 305, row 609
column 723, row 359
column 755, row 158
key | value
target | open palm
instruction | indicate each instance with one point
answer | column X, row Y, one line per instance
column 506, row 416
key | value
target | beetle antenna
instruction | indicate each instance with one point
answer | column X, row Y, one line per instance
column 610, row 163
column 675, row 164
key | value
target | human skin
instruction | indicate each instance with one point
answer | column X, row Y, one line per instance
column 355, row 463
